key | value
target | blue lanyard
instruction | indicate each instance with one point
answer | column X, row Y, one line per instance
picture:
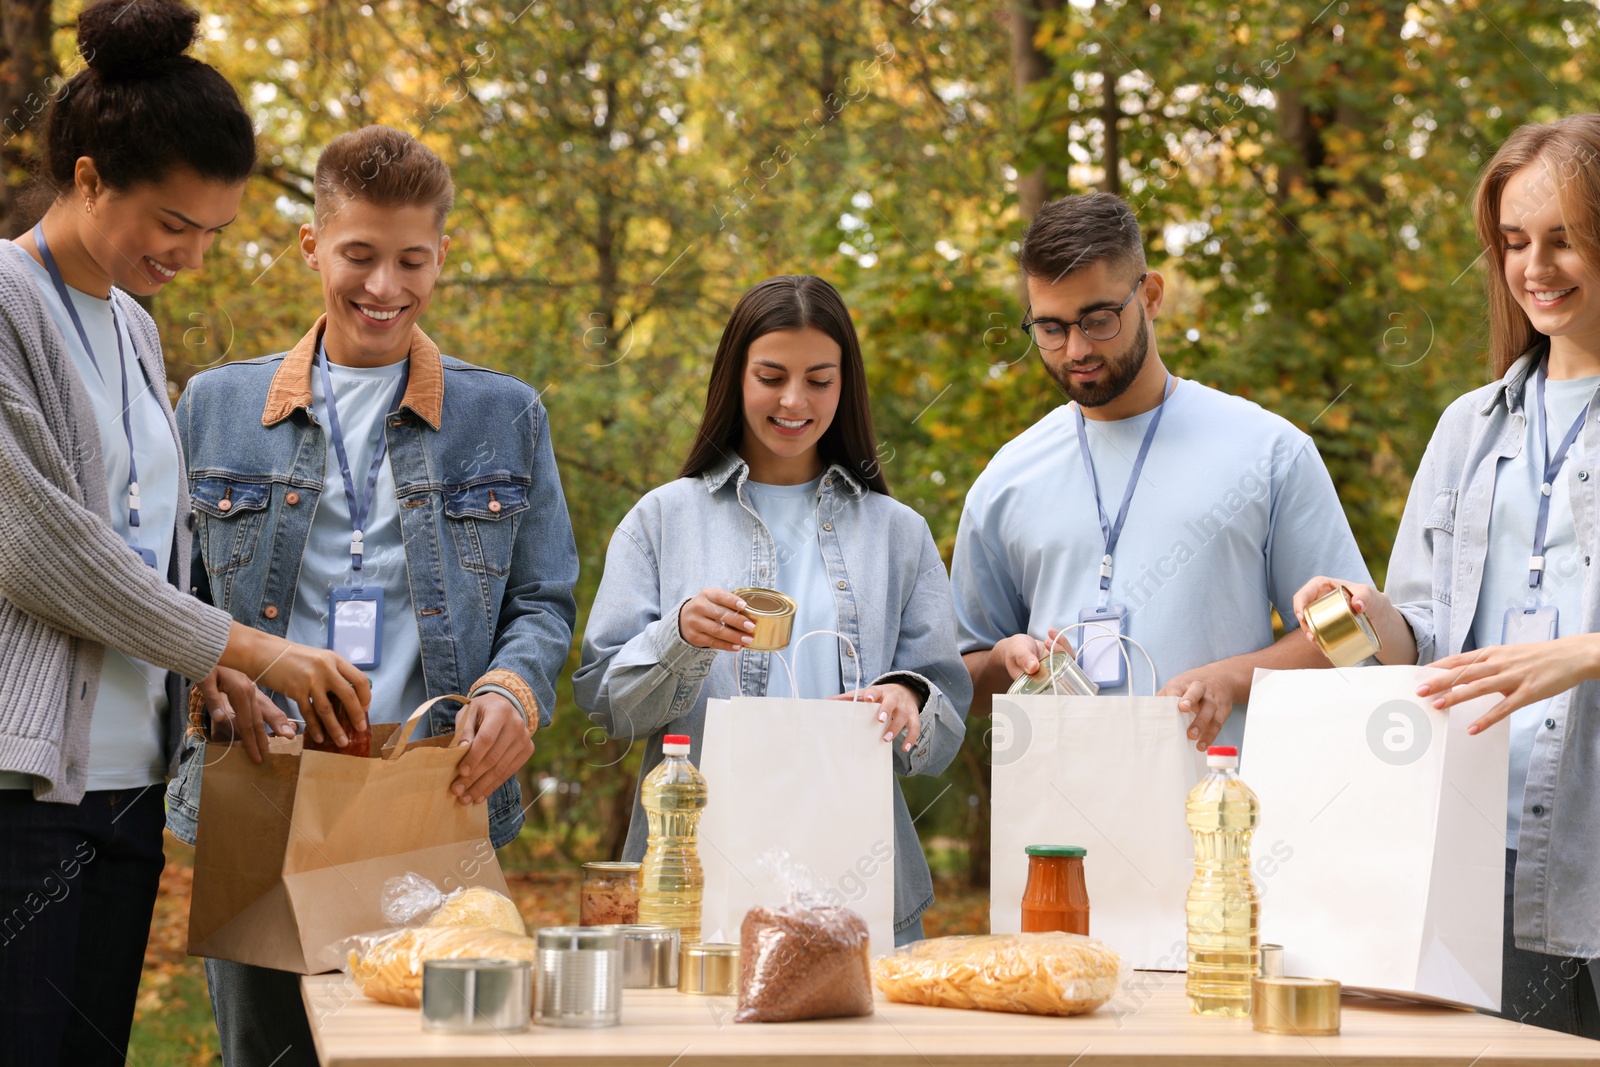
column 1552, row 467
column 122, row 364
column 359, row 506
column 1112, row 531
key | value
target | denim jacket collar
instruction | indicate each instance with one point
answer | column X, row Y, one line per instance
column 836, row 476
column 291, row 386
column 1513, row 385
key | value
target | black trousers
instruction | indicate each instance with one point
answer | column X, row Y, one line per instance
column 78, row 885
column 1553, row 992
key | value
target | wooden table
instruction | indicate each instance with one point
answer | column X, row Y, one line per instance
column 1149, row 1023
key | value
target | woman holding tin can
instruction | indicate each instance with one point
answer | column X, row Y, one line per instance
column 781, row 493
column 1492, row 577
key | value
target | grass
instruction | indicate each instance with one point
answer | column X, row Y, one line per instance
column 172, row 1024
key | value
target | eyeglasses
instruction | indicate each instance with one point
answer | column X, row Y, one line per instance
column 1051, row 334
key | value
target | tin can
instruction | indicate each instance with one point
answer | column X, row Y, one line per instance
column 476, row 996
column 710, row 968
column 609, row 895
column 1305, row 1007
column 578, row 976
column 1058, row 673
column 1272, row 961
column 649, row 957
column 773, row 613
column 1344, row 637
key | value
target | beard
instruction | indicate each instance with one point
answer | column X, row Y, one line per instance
column 1121, row 370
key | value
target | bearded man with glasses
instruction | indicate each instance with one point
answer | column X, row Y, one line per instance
column 1149, row 506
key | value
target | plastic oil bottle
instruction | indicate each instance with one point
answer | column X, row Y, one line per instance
column 1223, row 910
column 671, row 880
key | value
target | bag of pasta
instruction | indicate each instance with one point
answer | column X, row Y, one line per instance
column 388, row 967
column 412, row 900
column 1051, row 973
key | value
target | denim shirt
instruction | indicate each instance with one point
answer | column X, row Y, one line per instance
column 1435, row 575
column 488, row 544
column 640, row 680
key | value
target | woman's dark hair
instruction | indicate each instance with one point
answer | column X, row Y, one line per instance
column 141, row 107
column 789, row 302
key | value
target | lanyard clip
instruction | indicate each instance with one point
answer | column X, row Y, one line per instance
column 355, row 547
column 1105, row 566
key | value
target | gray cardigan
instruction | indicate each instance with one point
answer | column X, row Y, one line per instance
column 69, row 587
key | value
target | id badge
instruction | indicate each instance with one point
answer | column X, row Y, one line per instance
column 1526, row 626
column 1099, row 650
column 355, row 625
column 148, row 555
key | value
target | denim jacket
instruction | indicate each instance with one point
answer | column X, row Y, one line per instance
column 488, row 544
column 640, row 680
column 1435, row 575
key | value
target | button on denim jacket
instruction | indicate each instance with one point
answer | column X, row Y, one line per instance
column 640, row 680
column 1435, row 575
column 488, row 544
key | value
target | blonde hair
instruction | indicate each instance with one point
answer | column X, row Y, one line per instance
column 1570, row 150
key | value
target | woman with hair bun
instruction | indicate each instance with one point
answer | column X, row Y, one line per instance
column 147, row 151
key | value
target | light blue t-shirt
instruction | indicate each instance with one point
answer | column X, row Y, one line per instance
column 1233, row 513
column 365, row 395
column 790, row 515
column 1505, row 570
column 125, row 733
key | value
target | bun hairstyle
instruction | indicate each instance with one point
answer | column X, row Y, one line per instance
column 142, row 106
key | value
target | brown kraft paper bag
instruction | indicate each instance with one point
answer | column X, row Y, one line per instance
column 293, row 854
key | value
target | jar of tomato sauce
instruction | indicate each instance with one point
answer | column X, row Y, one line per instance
column 1055, row 897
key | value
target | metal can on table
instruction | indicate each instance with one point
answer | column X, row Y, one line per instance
column 476, row 996
column 773, row 613
column 578, row 976
column 710, row 968
column 649, row 956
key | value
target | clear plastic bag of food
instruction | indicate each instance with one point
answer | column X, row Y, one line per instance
column 806, row 959
column 1051, row 973
column 412, row 900
column 387, row 967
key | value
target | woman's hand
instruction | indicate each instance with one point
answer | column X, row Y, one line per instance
column 317, row 680
column 899, row 709
column 1398, row 645
column 240, row 711
column 1523, row 674
column 714, row 618
column 498, row 745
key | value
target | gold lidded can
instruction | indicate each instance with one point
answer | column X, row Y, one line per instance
column 773, row 613
column 1344, row 637
column 709, row 967
column 1058, row 673
column 1302, row 1007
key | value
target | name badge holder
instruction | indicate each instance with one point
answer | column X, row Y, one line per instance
column 1107, row 623
column 148, row 555
column 1538, row 622
column 355, row 612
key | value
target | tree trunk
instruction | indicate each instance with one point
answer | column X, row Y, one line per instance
column 1030, row 66
column 27, row 81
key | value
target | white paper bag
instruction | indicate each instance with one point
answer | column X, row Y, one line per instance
column 1380, row 857
column 813, row 777
column 1110, row 774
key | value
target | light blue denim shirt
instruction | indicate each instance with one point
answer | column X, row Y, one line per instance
column 641, row 680
column 1435, row 577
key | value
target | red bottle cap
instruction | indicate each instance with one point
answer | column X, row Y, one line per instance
column 675, row 739
column 1222, row 750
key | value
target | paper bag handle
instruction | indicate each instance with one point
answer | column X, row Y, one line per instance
column 1123, row 640
column 411, row 722
column 794, row 687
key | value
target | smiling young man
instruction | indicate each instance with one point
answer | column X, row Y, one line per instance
column 365, row 493
column 1150, row 506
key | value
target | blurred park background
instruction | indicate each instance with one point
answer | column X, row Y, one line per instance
column 626, row 168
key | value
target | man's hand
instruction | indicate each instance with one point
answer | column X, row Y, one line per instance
column 498, row 745
column 1208, row 695
column 241, row 711
column 1523, row 674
